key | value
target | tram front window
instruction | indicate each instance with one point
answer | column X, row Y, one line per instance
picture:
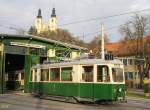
column 117, row 74
column 103, row 73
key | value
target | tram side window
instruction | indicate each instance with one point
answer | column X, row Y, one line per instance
column 103, row 73
column 66, row 74
column 44, row 75
column 87, row 74
column 55, row 74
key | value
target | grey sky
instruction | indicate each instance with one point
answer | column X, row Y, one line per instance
column 22, row 13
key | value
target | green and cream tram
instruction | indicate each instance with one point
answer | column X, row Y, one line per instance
column 85, row 79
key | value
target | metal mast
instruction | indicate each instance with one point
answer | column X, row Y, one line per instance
column 102, row 42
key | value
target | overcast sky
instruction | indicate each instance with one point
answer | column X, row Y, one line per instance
column 22, row 13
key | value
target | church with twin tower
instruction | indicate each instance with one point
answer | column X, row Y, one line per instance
column 51, row 25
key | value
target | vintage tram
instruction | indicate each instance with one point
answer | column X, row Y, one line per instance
column 85, row 79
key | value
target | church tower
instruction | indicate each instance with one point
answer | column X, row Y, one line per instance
column 38, row 22
column 53, row 21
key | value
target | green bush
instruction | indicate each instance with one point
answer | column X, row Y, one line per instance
column 146, row 88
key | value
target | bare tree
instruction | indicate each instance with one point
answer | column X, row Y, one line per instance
column 134, row 31
column 95, row 45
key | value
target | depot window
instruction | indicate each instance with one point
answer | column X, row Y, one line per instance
column 55, row 74
column 125, row 61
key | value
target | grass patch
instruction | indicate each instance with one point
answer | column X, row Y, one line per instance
column 137, row 95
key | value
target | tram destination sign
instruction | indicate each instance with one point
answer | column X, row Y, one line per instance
column 27, row 45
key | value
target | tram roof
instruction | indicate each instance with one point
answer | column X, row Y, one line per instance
column 42, row 39
column 79, row 62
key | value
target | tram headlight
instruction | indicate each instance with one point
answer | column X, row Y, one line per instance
column 120, row 90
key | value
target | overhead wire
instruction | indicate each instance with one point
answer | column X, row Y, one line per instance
column 108, row 29
column 105, row 17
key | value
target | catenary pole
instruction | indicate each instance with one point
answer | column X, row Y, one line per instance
column 102, row 42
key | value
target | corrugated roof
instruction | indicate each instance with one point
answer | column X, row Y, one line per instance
column 44, row 39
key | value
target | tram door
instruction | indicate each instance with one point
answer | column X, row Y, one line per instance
column 86, row 86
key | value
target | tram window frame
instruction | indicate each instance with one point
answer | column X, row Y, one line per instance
column 87, row 75
column 63, row 78
column 102, row 77
column 36, row 75
column 44, row 77
column 56, row 78
column 31, row 75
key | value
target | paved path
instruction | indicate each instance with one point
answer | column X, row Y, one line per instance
column 137, row 91
column 27, row 102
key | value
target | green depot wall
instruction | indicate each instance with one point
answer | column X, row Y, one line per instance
column 30, row 59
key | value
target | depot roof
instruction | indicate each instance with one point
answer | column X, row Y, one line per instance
column 42, row 39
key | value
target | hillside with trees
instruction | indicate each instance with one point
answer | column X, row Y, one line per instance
column 61, row 35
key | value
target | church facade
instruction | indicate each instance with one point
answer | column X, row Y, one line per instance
column 51, row 25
